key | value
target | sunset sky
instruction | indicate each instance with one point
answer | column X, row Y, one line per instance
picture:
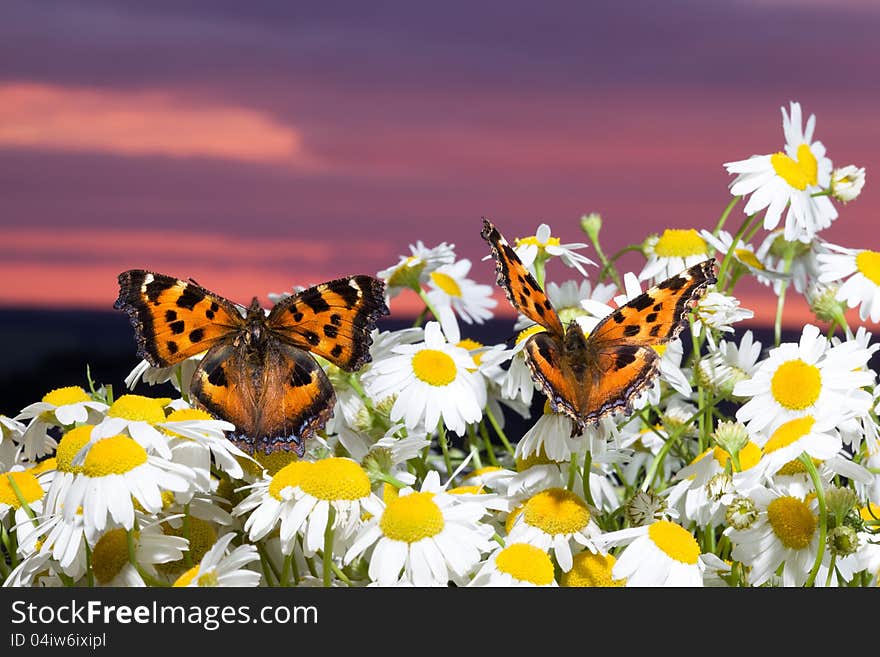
column 255, row 146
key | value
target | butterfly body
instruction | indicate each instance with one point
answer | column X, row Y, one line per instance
column 588, row 377
column 259, row 370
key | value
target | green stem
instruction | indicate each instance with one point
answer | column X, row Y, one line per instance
column 780, row 304
column 607, row 265
column 268, row 566
column 388, row 479
column 823, row 514
column 723, row 218
column 328, row 547
column 420, row 319
column 540, row 266
column 90, row 575
column 340, row 574
column 285, row 571
column 585, row 474
column 572, row 472
column 831, row 566
column 24, row 505
column 499, row 431
column 490, row 451
column 728, row 257
column 429, row 305
column 444, row 447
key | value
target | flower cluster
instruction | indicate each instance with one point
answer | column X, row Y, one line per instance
column 749, row 461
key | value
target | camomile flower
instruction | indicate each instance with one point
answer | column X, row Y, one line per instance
column 718, row 311
column 433, row 380
column 793, row 479
column 179, row 375
column 672, row 252
column 784, row 531
column 814, row 435
column 803, row 267
column 519, row 384
column 424, row 538
column 847, row 182
column 450, row 286
column 117, row 471
column 591, row 569
column 662, row 553
column 413, row 270
column 11, row 432
column 64, row 540
column 36, row 569
column 861, row 269
column 550, row 435
column 217, row 568
column 808, row 378
column 554, row 519
column 789, row 179
column 203, row 437
column 706, row 486
column 303, row 498
column 139, row 417
column 63, row 407
column 516, row 564
column 542, row 246
column 111, row 563
column 21, row 495
column 744, row 254
column 727, row 364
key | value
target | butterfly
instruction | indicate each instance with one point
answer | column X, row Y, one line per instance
column 590, row 377
column 259, row 372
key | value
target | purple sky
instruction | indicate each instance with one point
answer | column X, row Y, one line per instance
column 254, row 146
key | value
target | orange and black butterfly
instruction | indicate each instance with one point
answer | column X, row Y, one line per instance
column 589, row 377
column 258, row 372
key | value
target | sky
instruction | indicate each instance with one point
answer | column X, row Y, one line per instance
column 257, row 146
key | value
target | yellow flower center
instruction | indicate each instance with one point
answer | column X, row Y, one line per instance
column 201, row 535
column 749, row 258
column 525, row 563
column 868, row 263
column 796, row 385
column 407, row 273
column 110, row 555
column 65, row 396
column 412, row 518
column 137, row 407
column 113, row 455
column 525, row 334
column 70, row 444
column 512, row 516
column 675, row 541
column 798, row 173
column 680, row 243
column 187, row 577
column 788, row 433
column 749, row 456
column 45, row 466
column 591, row 569
column 466, row 490
column 556, row 511
column 870, row 513
column 469, row 345
column 795, row 467
column 335, row 479
column 792, row 522
column 183, row 415
column 534, row 241
column 479, row 472
column 291, row 474
column 27, row 485
column 536, row 458
column 434, row 367
column 446, row 283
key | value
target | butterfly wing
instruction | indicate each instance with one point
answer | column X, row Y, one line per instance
column 521, row 288
column 174, row 319
column 333, row 320
column 276, row 396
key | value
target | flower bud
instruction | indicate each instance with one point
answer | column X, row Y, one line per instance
column 824, row 303
column 847, row 182
column 843, row 541
column 741, row 513
column 731, row 436
column 591, row 224
column 644, row 507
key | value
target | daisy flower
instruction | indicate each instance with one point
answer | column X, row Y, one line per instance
column 802, row 379
column 789, row 178
column 117, row 471
column 517, row 564
column 542, row 246
column 660, row 554
column 217, row 568
column 22, row 495
column 450, row 287
column 424, row 538
column 728, row 363
column 62, row 407
column 64, row 541
column 554, row 519
column 861, row 269
column 65, row 470
column 110, row 556
column 304, row 497
column 672, row 252
column 718, row 311
column 139, row 417
column 413, row 270
column 744, row 254
column 591, row 569
column 433, row 380
column 518, row 383
column 847, row 183
column 37, row 569
column 11, row 432
column 179, row 375
column 197, row 432
column 784, row 531
column 550, row 435
column 815, row 436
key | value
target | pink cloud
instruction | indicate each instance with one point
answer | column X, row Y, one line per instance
column 139, row 123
